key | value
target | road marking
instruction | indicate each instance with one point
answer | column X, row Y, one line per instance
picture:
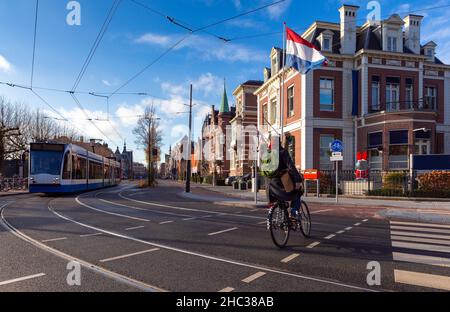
column 421, row 240
column 54, row 239
column 129, row 255
column 90, row 235
column 290, row 258
column 134, row 228
column 340, row 232
column 348, row 228
column 221, row 232
column 142, row 209
column 205, row 217
column 313, row 245
column 263, row 222
column 422, row 279
column 437, row 261
column 200, row 255
column 420, row 235
column 228, row 289
column 421, row 247
column 330, row 236
column 108, row 212
column 253, row 277
column 357, row 224
column 188, row 209
column 20, row 279
column 413, row 229
column 320, row 211
column 189, row 219
column 434, row 225
column 365, row 220
column 166, row 222
column 253, row 210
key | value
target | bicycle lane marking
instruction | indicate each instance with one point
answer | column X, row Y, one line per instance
column 213, row 258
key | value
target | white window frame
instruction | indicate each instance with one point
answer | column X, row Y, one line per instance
column 409, row 96
column 431, row 95
column 398, row 161
column 377, row 106
column 390, row 88
column 333, row 100
column 291, row 112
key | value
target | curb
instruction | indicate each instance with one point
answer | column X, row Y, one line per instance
column 393, row 213
column 13, row 194
column 223, row 202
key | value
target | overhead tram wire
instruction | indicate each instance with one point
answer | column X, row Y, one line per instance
column 168, row 50
column 97, row 41
column 34, row 42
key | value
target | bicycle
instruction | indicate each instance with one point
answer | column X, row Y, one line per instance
column 280, row 224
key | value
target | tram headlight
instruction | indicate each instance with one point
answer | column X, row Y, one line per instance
column 55, row 180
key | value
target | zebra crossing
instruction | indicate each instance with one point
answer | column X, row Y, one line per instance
column 421, row 244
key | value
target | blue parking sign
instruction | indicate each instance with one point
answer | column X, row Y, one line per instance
column 337, row 146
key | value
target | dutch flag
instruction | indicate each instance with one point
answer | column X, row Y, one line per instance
column 302, row 54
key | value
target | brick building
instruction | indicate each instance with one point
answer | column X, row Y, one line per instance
column 382, row 92
column 214, row 132
column 245, row 119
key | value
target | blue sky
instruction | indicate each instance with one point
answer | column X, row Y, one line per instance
column 136, row 37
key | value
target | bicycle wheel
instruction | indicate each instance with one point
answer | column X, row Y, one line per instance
column 305, row 222
column 279, row 225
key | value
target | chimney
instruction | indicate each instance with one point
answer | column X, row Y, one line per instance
column 412, row 32
column 348, row 15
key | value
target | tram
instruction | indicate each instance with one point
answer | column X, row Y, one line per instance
column 68, row 168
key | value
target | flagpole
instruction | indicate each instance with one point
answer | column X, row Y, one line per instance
column 283, row 57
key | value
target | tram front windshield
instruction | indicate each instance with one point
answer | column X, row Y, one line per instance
column 46, row 162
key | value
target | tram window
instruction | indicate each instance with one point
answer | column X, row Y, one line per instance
column 81, row 174
column 74, row 167
column 95, row 171
column 106, row 172
column 66, row 167
column 48, row 162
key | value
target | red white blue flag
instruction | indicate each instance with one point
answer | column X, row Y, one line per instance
column 302, row 54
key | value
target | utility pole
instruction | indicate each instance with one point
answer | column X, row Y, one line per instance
column 189, row 162
column 149, row 152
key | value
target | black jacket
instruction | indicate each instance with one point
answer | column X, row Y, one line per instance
column 275, row 186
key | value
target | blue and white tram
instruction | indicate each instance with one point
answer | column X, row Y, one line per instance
column 68, row 168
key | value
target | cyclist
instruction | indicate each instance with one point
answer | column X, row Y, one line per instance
column 277, row 174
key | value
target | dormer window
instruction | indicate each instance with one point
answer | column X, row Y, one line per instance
column 274, row 64
column 429, row 52
column 392, row 44
column 326, row 40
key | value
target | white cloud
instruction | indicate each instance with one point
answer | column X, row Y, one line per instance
column 5, row 66
column 437, row 20
column 128, row 115
column 106, row 83
column 207, row 48
column 276, row 11
column 179, row 131
column 151, row 38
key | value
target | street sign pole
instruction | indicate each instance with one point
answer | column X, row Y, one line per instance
column 337, row 182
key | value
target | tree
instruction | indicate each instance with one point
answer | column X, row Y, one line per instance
column 148, row 136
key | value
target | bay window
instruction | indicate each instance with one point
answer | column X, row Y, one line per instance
column 398, row 149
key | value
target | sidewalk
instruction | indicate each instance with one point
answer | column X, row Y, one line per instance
column 247, row 196
column 12, row 193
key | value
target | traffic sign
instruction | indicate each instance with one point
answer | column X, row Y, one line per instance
column 336, row 154
column 336, row 158
column 337, row 146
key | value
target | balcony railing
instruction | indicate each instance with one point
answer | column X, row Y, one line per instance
column 415, row 106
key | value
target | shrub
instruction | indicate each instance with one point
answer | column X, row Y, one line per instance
column 435, row 181
column 394, row 181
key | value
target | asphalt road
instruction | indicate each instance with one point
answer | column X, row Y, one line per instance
column 156, row 240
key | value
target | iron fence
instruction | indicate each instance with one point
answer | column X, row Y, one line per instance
column 383, row 183
column 13, row 184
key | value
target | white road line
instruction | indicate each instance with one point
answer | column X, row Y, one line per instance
column 422, row 279
column 90, row 235
column 263, row 222
column 421, row 246
column 108, row 212
column 54, row 239
column 357, row 224
column 290, row 258
column 320, row 211
column 330, row 236
column 129, row 255
column 365, row 220
column 166, row 222
column 20, row 279
column 188, row 209
column 434, row 225
column 340, row 232
column 189, row 219
column 253, row 277
column 135, row 228
column 437, row 261
column 200, row 255
column 313, row 245
column 421, row 240
column 417, row 229
column 221, row 232
column 420, row 235
column 348, row 228
column 205, row 217
column 143, row 209
column 253, row 210
column 227, row 289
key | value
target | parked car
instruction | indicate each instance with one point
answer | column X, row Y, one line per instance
column 246, row 178
column 229, row 181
